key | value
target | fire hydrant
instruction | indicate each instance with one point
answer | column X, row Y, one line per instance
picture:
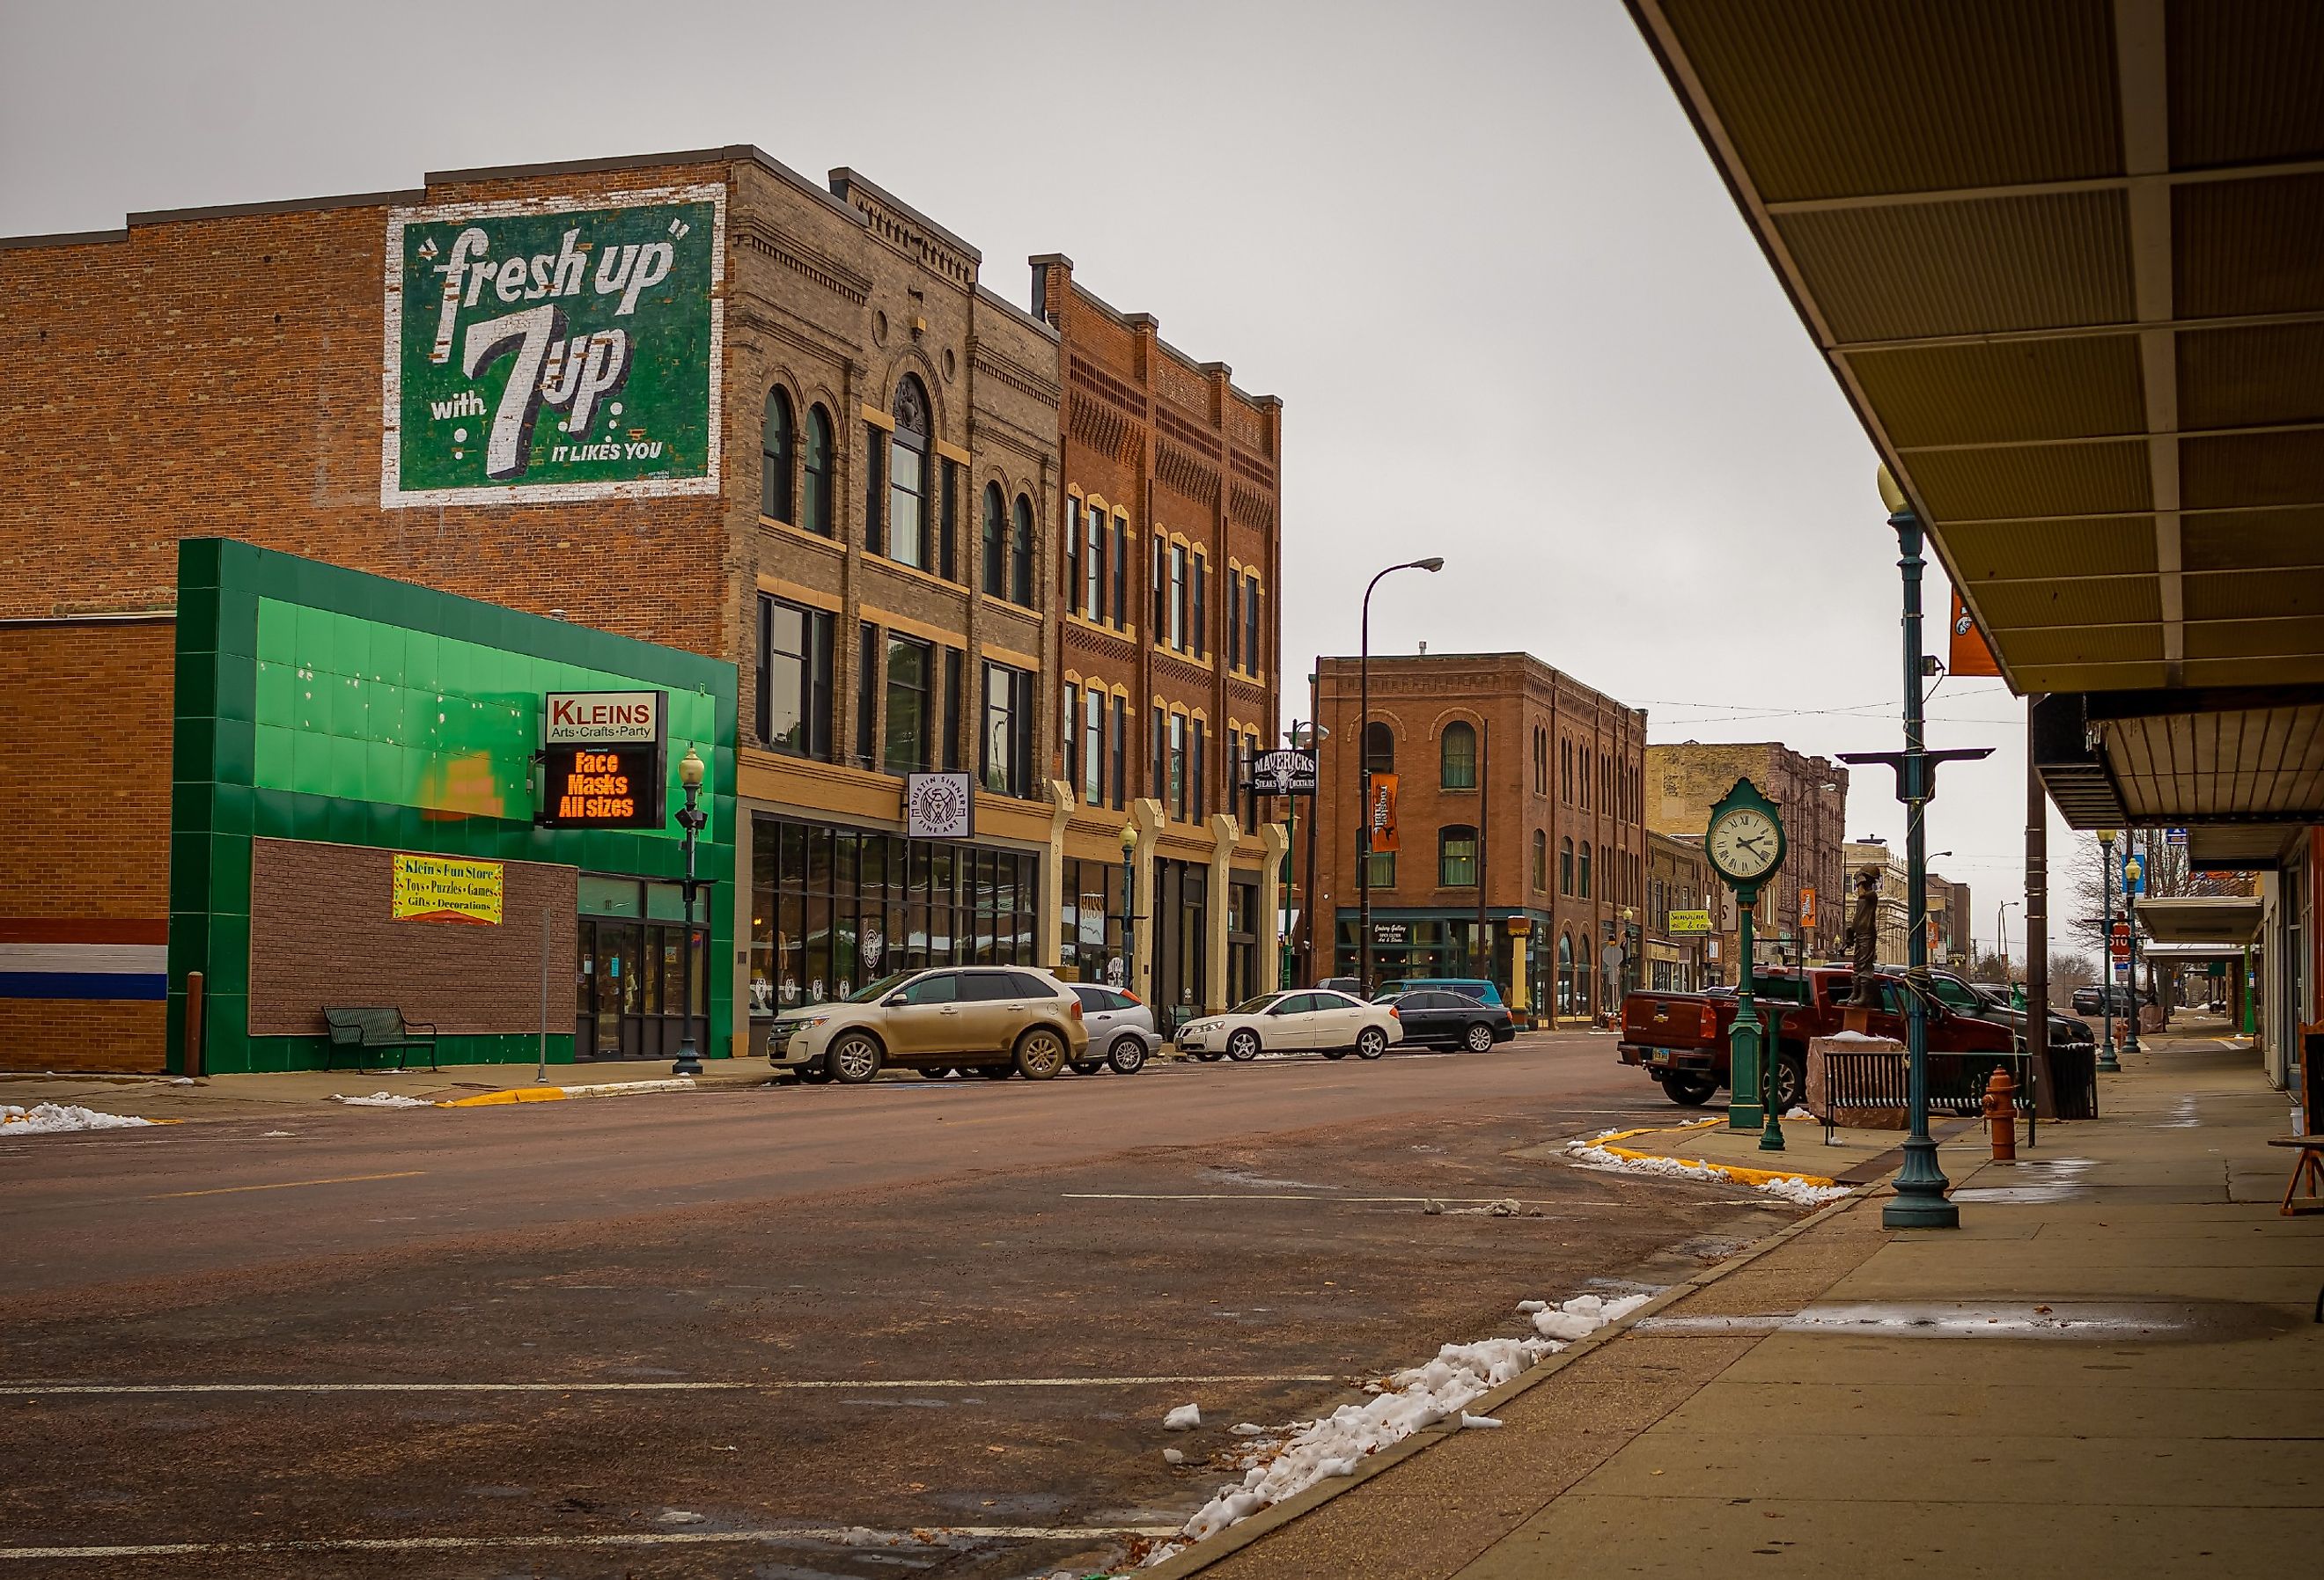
column 2001, row 1112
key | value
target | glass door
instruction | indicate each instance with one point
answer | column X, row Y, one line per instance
column 619, row 968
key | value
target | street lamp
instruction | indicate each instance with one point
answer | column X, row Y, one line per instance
column 1129, row 910
column 1303, row 737
column 1364, row 775
column 2001, row 929
column 2134, row 872
column 2107, row 1062
column 694, row 821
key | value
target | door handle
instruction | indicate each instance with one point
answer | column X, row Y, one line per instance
column 949, row 1010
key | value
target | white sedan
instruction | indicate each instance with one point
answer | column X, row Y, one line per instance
column 1297, row 1021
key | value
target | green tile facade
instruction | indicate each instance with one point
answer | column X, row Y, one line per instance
column 315, row 702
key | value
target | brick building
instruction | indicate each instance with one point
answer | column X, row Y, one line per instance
column 1516, row 787
column 1678, row 878
column 1685, row 781
column 1165, row 597
column 792, row 430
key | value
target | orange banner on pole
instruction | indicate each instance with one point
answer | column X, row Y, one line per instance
column 1383, row 812
column 1969, row 655
column 1807, row 907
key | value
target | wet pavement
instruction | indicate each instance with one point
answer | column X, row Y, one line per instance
column 923, row 1329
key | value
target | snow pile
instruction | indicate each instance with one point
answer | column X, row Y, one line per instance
column 1858, row 1037
column 1421, row 1397
column 1791, row 1190
column 1185, row 1418
column 381, row 1100
column 48, row 1118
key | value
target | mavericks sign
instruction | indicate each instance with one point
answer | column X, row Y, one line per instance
column 540, row 350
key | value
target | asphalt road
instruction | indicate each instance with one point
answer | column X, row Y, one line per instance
column 924, row 1328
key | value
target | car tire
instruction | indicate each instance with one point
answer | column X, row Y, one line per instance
column 1791, row 1083
column 1370, row 1042
column 1041, row 1053
column 1243, row 1046
column 1477, row 1039
column 854, row 1058
column 1088, row 1067
column 1687, row 1089
column 1127, row 1055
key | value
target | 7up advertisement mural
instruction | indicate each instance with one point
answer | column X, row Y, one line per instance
column 542, row 350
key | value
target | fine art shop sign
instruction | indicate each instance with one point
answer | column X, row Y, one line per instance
column 542, row 349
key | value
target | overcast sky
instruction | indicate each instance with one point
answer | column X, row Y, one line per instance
column 1476, row 249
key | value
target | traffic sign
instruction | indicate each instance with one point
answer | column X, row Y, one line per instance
column 1611, row 957
column 2119, row 941
column 2174, row 837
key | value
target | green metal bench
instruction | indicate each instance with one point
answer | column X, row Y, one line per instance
column 365, row 1030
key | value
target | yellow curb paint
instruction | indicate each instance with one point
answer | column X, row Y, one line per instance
column 513, row 1095
column 1654, row 1130
column 1735, row 1172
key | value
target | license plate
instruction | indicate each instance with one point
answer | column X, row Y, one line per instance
column 1659, row 1056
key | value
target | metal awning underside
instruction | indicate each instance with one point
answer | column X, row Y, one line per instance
column 2245, row 848
column 2201, row 919
column 2066, row 258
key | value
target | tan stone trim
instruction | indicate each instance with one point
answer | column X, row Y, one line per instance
column 952, row 452
column 790, row 530
column 915, row 573
column 800, row 593
column 1010, row 655
column 877, row 419
column 907, row 626
column 1084, row 623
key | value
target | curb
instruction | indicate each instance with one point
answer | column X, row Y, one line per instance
column 559, row 1094
column 1202, row 1555
column 1734, row 1171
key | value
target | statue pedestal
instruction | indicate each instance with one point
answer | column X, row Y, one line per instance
column 1857, row 1018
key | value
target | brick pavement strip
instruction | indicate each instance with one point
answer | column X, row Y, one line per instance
column 1661, row 1448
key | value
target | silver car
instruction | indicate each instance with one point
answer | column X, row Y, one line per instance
column 1121, row 1035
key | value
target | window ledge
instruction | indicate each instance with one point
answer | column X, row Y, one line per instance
column 914, row 572
column 1084, row 623
column 806, row 534
column 1030, row 611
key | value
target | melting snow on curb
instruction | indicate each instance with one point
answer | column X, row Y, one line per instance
column 1791, row 1189
column 48, row 1118
column 381, row 1100
column 1413, row 1399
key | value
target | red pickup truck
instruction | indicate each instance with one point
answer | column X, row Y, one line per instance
column 1680, row 1038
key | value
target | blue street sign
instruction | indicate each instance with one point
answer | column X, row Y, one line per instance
column 2174, row 837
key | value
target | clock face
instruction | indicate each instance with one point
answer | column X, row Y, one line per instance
column 1744, row 844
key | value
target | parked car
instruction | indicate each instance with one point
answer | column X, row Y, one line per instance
column 1680, row 1038
column 1475, row 987
column 1332, row 1023
column 1353, row 986
column 1434, row 1018
column 991, row 1019
column 1995, row 1001
column 2093, row 1000
column 1121, row 1030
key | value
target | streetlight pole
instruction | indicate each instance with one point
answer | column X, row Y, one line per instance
column 1303, row 737
column 2107, row 1062
column 693, row 820
column 1364, row 773
column 2134, row 872
column 1129, row 912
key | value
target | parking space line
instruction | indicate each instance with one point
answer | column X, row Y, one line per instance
column 286, row 1184
column 800, row 1385
column 929, row 1536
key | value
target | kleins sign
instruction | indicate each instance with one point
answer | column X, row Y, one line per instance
column 537, row 350
column 600, row 717
column 602, row 760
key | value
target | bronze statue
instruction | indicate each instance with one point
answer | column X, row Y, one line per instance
column 1863, row 935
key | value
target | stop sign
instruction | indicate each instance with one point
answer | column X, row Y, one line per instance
column 2119, row 945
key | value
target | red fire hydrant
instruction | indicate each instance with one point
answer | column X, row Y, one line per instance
column 2001, row 1112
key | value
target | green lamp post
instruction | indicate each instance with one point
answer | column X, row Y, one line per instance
column 1746, row 847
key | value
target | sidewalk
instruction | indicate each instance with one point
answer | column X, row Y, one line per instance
column 1831, row 1400
column 241, row 1097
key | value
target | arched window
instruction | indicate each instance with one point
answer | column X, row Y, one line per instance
column 1020, row 588
column 816, row 476
column 1565, row 973
column 1456, row 856
column 1565, row 867
column 907, row 476
column 775, row 446
column 1582, row 874
column 1541, row 860
column 1459, row 755
column 1379, row 747
column 1540, row 761
column 996, row 541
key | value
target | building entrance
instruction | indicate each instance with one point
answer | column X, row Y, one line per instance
column 631, row 986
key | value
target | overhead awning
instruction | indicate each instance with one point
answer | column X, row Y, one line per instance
column 2247, row 848
column 2066, row 259
column 2201, row 919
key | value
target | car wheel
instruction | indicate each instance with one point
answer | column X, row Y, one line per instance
column 1370, row 1042
column 853, row 1059
column 1127, row 1055
column 1088, row 1067
column 1791, row 1083
column 1040, row 1054
column 1243, row 1046
column 1688, row 1090
column 1479, row 1039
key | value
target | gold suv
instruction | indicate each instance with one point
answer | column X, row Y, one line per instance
column 992, row 1019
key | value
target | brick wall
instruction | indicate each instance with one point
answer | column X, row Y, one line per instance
column 1683, row 780
column 321, row 934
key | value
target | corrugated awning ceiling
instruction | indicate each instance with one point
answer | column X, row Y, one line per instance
column 2201, row 919
column 2066, row 257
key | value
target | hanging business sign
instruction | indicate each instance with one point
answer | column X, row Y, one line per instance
column 600, row 717
column 1283, row 773
column 1807, row 907
column 1682, row 922
column 558, row 348
column 601, row 759
column 437, row 888
column 939, row 805
column 1383, row 812
column 1969, row 654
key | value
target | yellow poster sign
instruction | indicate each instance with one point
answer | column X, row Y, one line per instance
column 1689, row 921
column 441, row 888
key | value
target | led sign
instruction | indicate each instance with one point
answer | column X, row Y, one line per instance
column 611, row 786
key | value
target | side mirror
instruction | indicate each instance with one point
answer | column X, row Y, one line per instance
column 892, row 1001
